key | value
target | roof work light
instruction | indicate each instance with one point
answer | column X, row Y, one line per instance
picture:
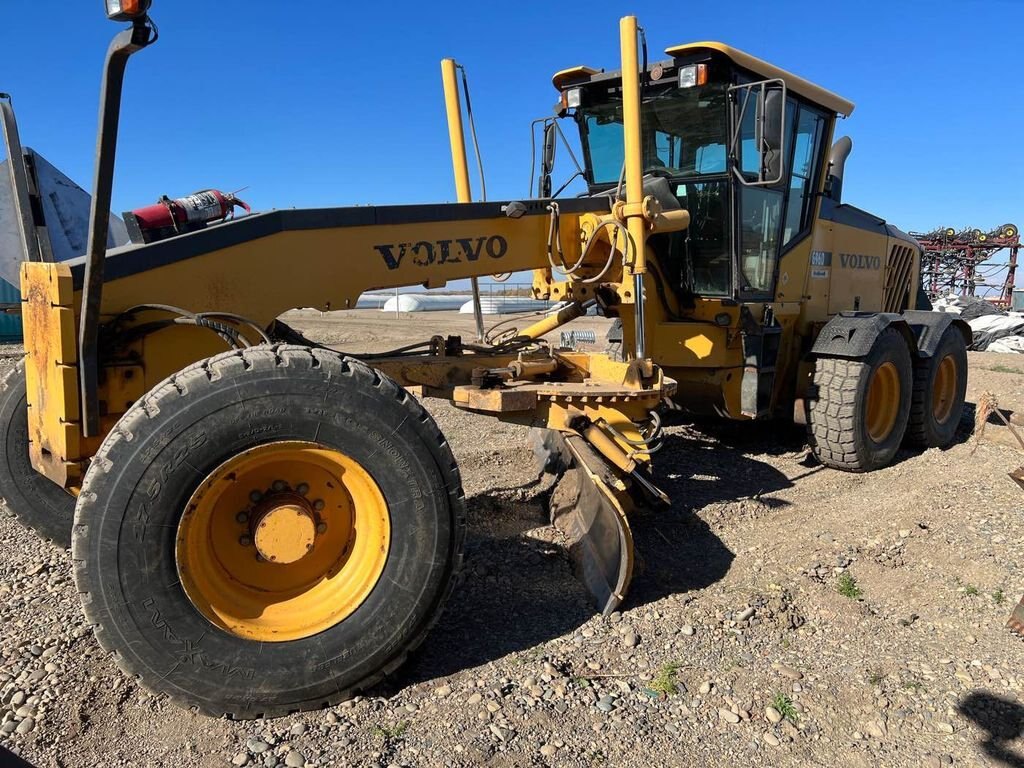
column 695, row 74
column 127, row 10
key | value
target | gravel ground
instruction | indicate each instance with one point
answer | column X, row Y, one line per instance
column 781, row 614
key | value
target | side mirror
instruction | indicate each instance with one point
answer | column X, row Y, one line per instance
column 758, row 144
column 547, row 159
column 772, row 124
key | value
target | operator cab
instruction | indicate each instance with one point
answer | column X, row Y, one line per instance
column 742, row 145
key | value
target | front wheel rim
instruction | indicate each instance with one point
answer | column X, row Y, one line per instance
column 283, row 541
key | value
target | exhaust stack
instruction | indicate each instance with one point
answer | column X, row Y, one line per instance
column 837, row 165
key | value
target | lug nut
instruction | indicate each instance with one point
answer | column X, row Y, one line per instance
column 242, row 517
column 303, row 489
column 255, row 496
column 245, row 540
column 279, row 485
column 318, row 504
column 321, row 528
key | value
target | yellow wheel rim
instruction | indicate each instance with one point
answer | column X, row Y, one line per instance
column 283, row 541
column 883, row 401
column 944, row 389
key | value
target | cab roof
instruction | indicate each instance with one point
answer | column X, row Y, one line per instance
column 798, row 85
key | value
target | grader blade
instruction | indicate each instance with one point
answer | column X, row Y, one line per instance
column 587, row 506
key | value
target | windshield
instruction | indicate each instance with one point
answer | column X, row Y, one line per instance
column 684, row 131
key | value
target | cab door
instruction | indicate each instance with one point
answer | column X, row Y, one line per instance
column 772, row 219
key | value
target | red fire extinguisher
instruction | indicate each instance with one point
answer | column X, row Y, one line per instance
column 168, row 217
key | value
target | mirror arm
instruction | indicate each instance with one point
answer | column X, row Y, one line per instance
column 126, row 43
column 572, row 178
column 568, row 148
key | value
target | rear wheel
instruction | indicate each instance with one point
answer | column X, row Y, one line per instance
column 940, row 387
column 860, row 414
column 37, row 502
column 268, row 531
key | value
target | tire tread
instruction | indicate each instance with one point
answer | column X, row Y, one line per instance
column 833, row 408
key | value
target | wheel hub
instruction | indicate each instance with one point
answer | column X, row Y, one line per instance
column 284, row 531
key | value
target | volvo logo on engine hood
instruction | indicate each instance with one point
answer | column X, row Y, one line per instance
column 859, row 261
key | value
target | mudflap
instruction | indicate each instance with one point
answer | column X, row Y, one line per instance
column 588, row 506
column 1016, row 622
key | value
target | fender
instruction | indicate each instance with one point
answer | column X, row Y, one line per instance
column 928, row 328
column 852, row 334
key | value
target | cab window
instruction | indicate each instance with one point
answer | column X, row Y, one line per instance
column 759, row 237
column 807, row 137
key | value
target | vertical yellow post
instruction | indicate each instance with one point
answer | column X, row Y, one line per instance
column 453, row 107
column 457, row 138
column 634, row 169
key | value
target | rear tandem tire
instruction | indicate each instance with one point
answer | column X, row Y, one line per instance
column 36, row 501
column 940, row 387
column 140, row 493
column 860, row 415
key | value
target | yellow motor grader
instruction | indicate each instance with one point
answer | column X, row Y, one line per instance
column 262, row 524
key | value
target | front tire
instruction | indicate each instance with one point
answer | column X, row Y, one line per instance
column 940, row 388
column 859, row 417
column 198, row 610
column 34, row 500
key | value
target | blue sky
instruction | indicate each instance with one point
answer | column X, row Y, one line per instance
column 344, row 106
